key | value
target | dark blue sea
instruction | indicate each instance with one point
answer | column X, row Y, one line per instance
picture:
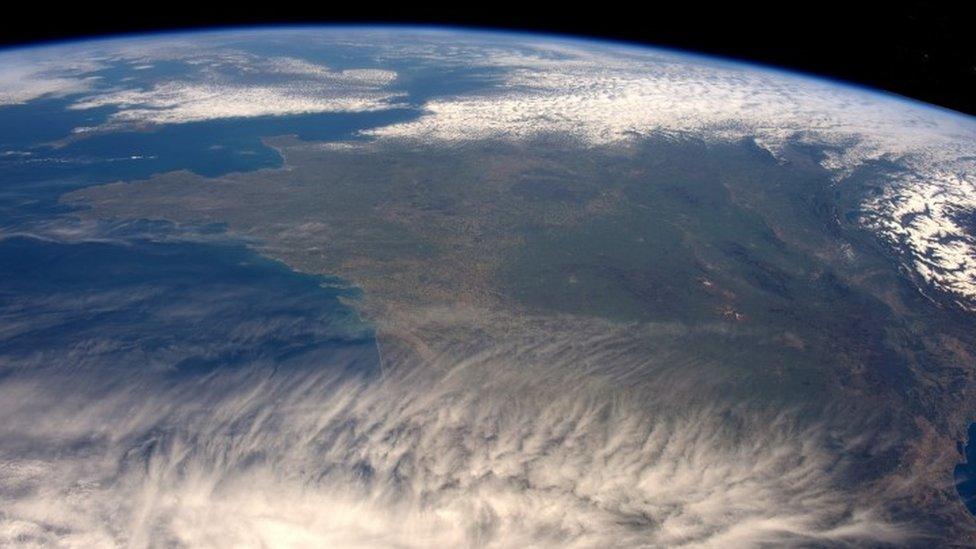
column 148, row 295
column 965, row 472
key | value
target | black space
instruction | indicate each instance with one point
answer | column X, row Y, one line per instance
column 919, row 50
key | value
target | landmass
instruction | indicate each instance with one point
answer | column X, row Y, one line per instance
column 740, row 273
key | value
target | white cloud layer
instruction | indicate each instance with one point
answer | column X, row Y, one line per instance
column 181, row 102
column 522, row 444
column 219, row 82
column 25, row 77
column 237, row 85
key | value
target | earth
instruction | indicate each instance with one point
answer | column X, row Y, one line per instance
column 411, row 287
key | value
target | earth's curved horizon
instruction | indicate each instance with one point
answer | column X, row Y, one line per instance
column 408, row 287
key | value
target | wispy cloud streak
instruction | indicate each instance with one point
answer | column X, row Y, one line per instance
column 504, row 445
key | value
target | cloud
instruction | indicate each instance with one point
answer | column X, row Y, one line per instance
column 239, row 85
column 217, row 82
column 181, row 102
column 524, row 443
column 73, row 230
column 24, row 77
